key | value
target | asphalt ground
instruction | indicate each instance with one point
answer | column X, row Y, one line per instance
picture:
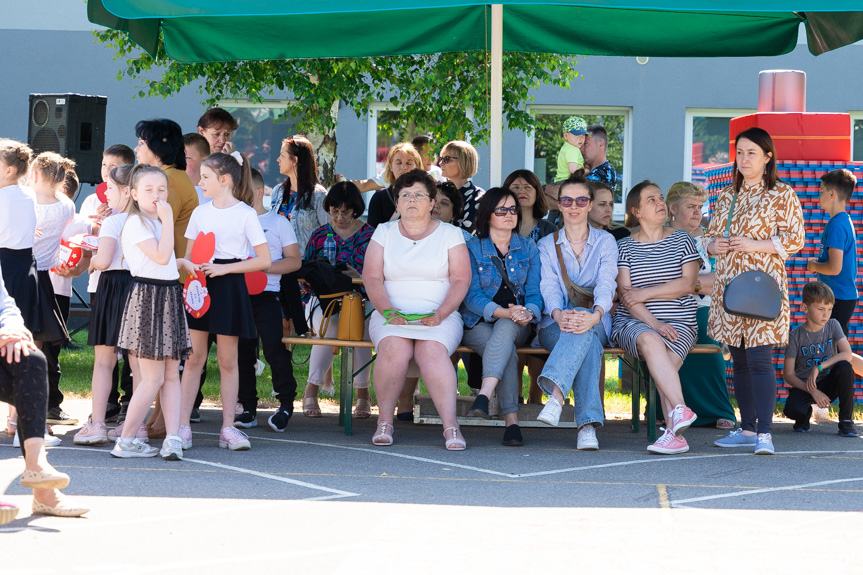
column 315, row 499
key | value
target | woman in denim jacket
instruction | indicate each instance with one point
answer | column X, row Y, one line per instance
column 497, row 312
column 575, row 327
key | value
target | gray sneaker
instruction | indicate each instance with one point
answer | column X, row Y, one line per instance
column 135, row 448
column 172, row 448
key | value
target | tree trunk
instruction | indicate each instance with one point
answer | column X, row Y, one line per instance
column 325, row 146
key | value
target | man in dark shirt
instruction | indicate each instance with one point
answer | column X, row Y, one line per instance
column 594, row 152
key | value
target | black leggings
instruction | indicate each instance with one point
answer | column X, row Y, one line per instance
column 25, row 385
column 754, row 386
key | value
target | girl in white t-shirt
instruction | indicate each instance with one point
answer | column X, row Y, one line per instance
column 54, row 211
column 234, row 223
column 107, row 304
column 154, row 327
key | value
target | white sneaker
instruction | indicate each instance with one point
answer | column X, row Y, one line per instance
column 587, row 438
column 172, row 448
column 50, row 440
column 134, row 448
column 550, row 414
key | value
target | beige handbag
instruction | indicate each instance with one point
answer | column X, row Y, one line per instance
column 351, row 316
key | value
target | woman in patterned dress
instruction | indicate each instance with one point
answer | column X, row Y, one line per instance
column 766, row 227
column 656, row 319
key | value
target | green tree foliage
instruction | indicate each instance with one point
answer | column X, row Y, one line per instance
column 434, row 91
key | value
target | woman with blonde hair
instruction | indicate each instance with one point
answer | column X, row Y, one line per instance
column 458, row 162
column 402, row 158
column 702, row 377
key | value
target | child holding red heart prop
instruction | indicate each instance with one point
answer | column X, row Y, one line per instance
column 154, row 326
column 107, row 304
column 233, row 224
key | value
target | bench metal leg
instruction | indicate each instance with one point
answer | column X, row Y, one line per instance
column 346, row 392
column 636, row 402
column 651, row 409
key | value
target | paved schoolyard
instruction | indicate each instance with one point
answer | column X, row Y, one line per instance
column 312, row 498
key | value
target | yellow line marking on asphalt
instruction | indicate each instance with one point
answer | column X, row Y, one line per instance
column 662, row 490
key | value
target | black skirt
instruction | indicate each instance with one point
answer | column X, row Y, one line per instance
column 53, row 324
column 230, row 310
column 22, row 283
column 107, row 305
column 154, row 321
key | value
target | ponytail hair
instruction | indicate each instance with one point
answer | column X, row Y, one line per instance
column 16, row 155
column 53, row 167
column 239, row 171
column 122, row 175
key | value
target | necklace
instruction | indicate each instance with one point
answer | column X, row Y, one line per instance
column 421, row 235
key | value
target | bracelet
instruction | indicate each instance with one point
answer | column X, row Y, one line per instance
column 698, row 286
column 820, row 369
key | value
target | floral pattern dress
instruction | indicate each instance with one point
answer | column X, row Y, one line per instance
column 760, row 214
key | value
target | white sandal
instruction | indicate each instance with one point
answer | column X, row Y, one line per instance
column 455, row 443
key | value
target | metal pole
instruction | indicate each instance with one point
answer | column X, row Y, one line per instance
column 496, row 110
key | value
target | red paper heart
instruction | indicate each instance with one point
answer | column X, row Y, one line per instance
column 100, row 192
column 196, row 297
column 203, row 248
column 256, row 282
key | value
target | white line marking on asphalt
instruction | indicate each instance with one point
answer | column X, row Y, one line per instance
column 764, row 490
column 380, row 452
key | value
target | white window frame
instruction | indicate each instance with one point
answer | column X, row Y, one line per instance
column 691, row 114
column 372, row 134
column 855, row 116
column 625, row 111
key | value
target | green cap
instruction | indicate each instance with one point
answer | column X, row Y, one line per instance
column 575, row 126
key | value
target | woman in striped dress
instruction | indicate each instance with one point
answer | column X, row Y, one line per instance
column 656, row 319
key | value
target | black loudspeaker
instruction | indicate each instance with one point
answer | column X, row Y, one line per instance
column 73, row 125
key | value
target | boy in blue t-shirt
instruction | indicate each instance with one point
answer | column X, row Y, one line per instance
column 836, row 264
column 818, row 363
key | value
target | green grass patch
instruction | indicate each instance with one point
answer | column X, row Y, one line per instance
column 77, row 367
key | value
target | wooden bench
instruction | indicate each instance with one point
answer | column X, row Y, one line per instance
column 644, row 380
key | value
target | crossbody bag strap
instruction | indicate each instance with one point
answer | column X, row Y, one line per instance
column 503, row 276
column 575, row 290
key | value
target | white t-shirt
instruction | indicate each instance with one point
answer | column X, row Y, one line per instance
column 51, row 220
column 237, row 229
column 201, row 198
column 63, row 284
column 17, row 217
column 136, row 231
column 90, row 207
column 111, row 228
column 279, row 235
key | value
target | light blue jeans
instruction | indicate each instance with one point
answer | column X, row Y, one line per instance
column 575, row 363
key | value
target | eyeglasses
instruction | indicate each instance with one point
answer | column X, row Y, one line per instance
column 581, row 202
column 341, row 214
column 413, row 196
column 447, row 159
column 501, row 212
column 524, row 188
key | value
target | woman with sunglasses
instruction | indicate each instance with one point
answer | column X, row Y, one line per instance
column 458, row 163
column 579, row 267
column 526, row 186
column 502, row 302
column 656, row 319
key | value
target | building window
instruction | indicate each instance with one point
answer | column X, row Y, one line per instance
column 384, row 133
column 260, row 134
column 544, row 144
column 707, row 139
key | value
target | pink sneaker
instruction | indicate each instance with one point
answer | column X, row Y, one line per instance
column 234, row 439
column 142, row 434
column 669, row 444
column 185, row 434
column 681, row 418
column 91, row 433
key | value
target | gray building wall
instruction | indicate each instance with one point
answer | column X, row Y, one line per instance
column 49, row 48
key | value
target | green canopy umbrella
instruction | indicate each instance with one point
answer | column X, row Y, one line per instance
column 224, row 30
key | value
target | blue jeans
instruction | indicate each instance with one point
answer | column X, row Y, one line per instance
column 575, row 363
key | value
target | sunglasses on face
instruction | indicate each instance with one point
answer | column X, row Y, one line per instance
column 447, row 159
column 501, row 212
column 581, row 202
